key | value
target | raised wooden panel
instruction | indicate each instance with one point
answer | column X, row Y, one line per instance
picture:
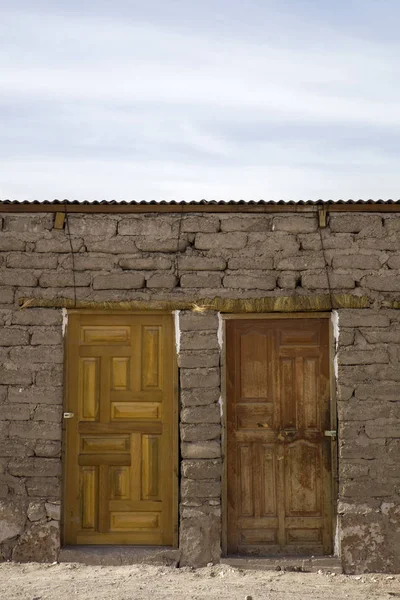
column 305, row 536
column 258, row 536
column 88, row 497
column 255, row 416
column 151, row 357
column 245, row 474
column 268, row 479
column 120, row 483
column 151, row 467
column 103, row 334
column 120, row 373
column 288, row 392
column 96, row 443
column 299, row 337
column 253, row 366
column 303, row 471
column 310, row 393
column 89, row 389
column 134, row 520
column 135, row 410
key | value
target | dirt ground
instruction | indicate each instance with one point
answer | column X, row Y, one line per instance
column 68, row 581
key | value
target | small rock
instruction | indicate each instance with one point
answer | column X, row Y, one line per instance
column 248, row 598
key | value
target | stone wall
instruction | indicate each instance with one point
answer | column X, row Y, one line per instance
column 187, row 257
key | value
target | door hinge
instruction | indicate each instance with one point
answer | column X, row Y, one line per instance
column 332, row 433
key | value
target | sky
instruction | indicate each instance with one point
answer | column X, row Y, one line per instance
column 213, row 99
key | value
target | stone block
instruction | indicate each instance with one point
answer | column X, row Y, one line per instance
column 31, row 260
column 50, row 378
column 202, row 469
column 356, row 261
column 191, row 321
column 394, row 262
column 88, row 262
column 61, row 278
column 49, row 413
column 157, row 226
column 162, row 280
column 37, row 354
column 350, row 356
column 15, row 448
column 53, row 510
column 245, row 223
column 46, row 336
column 203, row 488
column 303, row 262
column 268, row 244
column 319, row 280
column 199, row 340
column 382, row 391
column 192, row 359
column 312, row 241
column 119, row 281
column 28, row 223
column 115, row 245
column 15, row 412
column 58, row 244
column 201, row 280
column 201, row 450
column 197, row 378
column 158, row 244
column 200, row 541
column 12, row 518
column 353, row 223
column 29, row 467
column 98, row 225
column 250, row 282
column 39, row 543
column 200, row 396
column 48, row 448
column 152, row 263
column 363, row 318
column 383, row 428
column 44, row 487
column 381, row 336
column 210, row 413
column 217, row 241
column 15, row 376
column 288, row 280
column 200, row 223
column 13, row 336
column 382, row 283
column 6, row 295
column 200, row 432
column 295, row 223
column 10, row 243
column 36, row 395
column 36, row 510
column 257, row 262
column 21, row 277
column 35, row 430
column 37, row 316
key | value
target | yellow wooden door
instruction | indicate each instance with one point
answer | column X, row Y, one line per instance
column 279, row 459
column 120, row 463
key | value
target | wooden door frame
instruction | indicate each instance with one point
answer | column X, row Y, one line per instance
column 175, row 416
column 333, row 409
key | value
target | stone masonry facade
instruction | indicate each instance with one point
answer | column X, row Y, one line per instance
column 177, row 256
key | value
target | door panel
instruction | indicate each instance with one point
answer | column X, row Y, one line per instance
column 120, row 465
column 279, row 461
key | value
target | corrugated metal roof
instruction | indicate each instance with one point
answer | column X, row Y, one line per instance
column 201, row 202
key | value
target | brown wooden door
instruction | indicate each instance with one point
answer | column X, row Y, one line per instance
column 120, row 465
column 279, row 461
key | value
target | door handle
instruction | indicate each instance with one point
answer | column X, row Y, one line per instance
column 68, row 415
column 332, row 433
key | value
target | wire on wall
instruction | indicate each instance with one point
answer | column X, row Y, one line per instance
column 72, row 251
column 327, row 268
column 178, row 243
